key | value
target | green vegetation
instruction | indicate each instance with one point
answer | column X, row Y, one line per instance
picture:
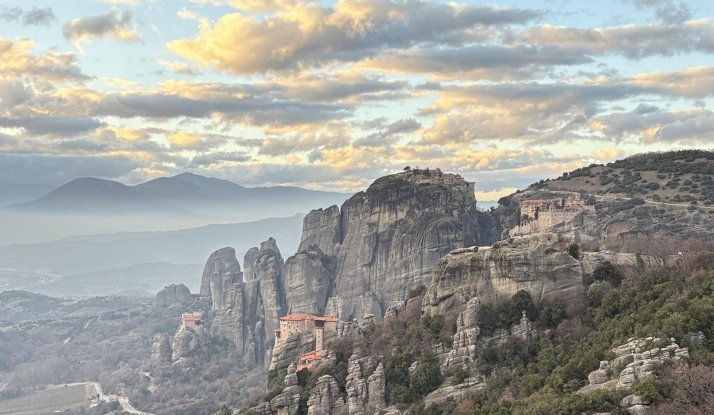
column 543, row 375
column 607, row 272
column 681, row 177
column 543, row 378
column 574, row 251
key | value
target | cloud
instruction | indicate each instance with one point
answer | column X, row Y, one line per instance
column 59, row 169
column 11, row 14
column 253, row 5
column 218, row 158
column 312, row 36
column 112, row 25
column 390, row 134
column 187, row 141
column 692, row 82
column 38, row 17
column 52, row 125
column 495, row 194
column 17, row 60
column 609, row 154
column 179, row 67
column 668, row 11
column 35, row 17
column 634, row 42
column 489, row 62
column 689, row 126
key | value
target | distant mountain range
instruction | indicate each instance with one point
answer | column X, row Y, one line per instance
column 186, row 194
column 107, row 264
column 18, row 193
column 87, row 206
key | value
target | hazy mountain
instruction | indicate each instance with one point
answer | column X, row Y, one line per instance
column 140, row 280
column 96, row 196
column 19, row 193
column 110, row 263
column 90, row 206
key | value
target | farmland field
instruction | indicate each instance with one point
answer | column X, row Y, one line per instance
column 48, row 401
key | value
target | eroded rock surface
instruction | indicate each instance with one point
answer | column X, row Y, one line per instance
column 246, row 312
column 539, row 264
column 173, row 294
column 381, row 243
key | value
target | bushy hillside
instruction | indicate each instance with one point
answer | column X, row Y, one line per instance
column 545, row 374
column 671, row 177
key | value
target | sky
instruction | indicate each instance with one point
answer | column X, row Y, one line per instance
column 331, row 95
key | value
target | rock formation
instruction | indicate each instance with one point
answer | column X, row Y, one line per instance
column 539, row 264
column 639, row 357
column 161, row 348
column 246, row 312
column 173, row 294
column 185, row 341
column 221, row 271
column 366, row 256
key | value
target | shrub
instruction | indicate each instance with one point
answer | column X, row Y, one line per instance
column 553, row 313
column 608, row 272
column 417, row 291
column 574, row 251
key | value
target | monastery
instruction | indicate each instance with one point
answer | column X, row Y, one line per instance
column 539, row 215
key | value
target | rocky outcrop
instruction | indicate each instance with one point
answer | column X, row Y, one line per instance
column 357, row 383
column 634, row 361
column 610, row 229
column 383, row 242
column 325, row 398
column 308, row 280
column 246, row 312
column 539, row 264
column 322, row 228
column 287, row 402
column 453, row 393
column 249, row 260
column 161, row 348
column 173, row 294
column 185, row 341
column 221, row 271
column 291, row 349
column 268, row 271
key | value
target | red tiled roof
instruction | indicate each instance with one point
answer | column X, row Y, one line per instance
column 277, row 330
column 192, row 319
column 317, row 354
column 304, row 316
column 536, row 201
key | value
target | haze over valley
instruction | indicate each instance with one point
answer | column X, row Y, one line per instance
column 355, row 207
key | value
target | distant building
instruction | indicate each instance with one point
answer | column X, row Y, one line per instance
column 193, row 321
column 538, row 215
column 449, row 178
column 310, row 361
column 321, row 327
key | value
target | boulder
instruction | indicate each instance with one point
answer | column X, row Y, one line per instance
column 173, row 294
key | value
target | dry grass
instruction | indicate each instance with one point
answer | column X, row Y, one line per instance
column 48, row 401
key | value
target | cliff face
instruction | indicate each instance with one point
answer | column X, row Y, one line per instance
column 246, row 312
column 384, row 241
column 539, row 264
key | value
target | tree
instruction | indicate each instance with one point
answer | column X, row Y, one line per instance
column 608, row 272
column 407, row 168
column 574, row 250
column 693, row 392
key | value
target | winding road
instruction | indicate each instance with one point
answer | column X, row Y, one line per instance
column 123, row 401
